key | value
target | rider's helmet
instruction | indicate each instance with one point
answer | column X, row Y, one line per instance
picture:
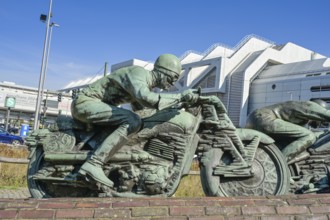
column 169, row 65
column 321, row 103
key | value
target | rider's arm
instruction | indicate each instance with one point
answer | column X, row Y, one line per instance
column 150, row 99
column 138, row 85
column 316, row 112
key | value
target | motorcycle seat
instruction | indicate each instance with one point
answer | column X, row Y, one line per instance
column 67, row 123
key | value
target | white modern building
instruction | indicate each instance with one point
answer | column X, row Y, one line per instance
column 25, row 104
column 254, row 73
column 306, row 80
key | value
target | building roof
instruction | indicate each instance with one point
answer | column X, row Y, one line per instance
column 15, row 86
column 214, row 51
column 298, row 68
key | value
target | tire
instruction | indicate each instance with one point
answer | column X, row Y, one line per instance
column 36, row 163
column 40, row 189
column 16, row 142
column 271, row 174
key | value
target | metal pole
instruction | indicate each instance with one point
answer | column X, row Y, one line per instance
column 46, row 63
column 47, row 57
column 105, row 68
column 7, row 119
column 42, row 71
column 44, row 108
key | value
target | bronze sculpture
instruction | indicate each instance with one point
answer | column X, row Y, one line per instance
column 108, row 151
column 97, row 104
column 307, row 151
column 286, row 120
column 151, row 160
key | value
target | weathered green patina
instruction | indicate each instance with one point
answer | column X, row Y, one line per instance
column 97, row 104
column 285, row 121
column 233, row 162
column 105, row 150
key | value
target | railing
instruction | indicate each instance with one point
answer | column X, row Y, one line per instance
column 235, row 48
column 246, row 39
column 14, row 160
column 213, row 46
column 189, row 52
column 207, row 52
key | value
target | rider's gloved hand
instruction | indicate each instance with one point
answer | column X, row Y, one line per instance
column 190, row 96
column 214, row 100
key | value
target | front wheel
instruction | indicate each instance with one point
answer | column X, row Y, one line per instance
column 271, row 174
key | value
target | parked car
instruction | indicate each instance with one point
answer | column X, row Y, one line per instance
column 11, row 129
column 6, row 137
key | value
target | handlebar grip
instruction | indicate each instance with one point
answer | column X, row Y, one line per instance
column 199, row 90
column 189, row 97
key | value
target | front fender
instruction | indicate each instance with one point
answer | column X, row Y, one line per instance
column 249, row 134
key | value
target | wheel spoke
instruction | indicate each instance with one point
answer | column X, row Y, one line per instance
column 266, row 181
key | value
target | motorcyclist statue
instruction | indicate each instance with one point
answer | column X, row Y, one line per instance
column 286, row 121
column 97, row 105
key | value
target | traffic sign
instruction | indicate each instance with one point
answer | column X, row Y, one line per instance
column 10, row 102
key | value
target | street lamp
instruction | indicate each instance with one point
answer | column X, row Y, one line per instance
column 49, row 41
column 47, row 57
column 43, row 64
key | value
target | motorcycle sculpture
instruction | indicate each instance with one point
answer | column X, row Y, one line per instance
column 310, row 170
column 233, row 162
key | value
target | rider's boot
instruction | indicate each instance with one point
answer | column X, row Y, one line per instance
column 93, row 167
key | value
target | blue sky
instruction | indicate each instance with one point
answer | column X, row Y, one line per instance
column 92, row 32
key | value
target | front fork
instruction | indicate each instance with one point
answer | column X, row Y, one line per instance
column 221, row 133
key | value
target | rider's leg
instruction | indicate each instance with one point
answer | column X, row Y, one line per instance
column 302, row 137
column 102, row 114
column 296, row 147
column 93, row 166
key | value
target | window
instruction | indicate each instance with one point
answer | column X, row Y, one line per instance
column 313, row 74
column 327, row 100
column 320, row 88
column 208, row 81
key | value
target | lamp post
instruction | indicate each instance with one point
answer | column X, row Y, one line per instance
column 47, row 57
column 49, row 41
column 43, row 67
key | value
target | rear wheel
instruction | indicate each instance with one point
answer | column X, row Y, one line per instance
column 47, row 189
column 271, row 175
